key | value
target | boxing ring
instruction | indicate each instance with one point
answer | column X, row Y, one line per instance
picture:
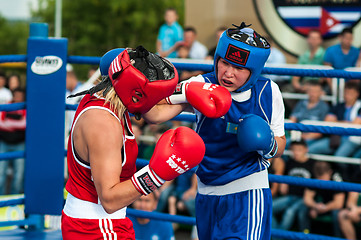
column 44, row 153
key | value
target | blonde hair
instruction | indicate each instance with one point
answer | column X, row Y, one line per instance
column 114, row 101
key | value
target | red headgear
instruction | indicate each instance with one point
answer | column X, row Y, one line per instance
column 141, row 79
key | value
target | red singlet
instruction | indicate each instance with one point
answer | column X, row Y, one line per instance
column 83, row 216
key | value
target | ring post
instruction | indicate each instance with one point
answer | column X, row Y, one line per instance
column 44, row 165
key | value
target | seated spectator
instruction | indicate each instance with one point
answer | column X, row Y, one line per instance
column 14, row 82
column 148, row 151
column 211, row 52
column 137, row 131
column 290, row 204
column 5, row 94
column 183, row 52
column 183, row 197
column 170, row 35
column 276, row 57
column 196, row 49
column 150, row 229
column 351, row 215
column 312, row 108
column 321, row 202
column 313, row 56
column 12, row 135
column 344, row 146
column 343, row 54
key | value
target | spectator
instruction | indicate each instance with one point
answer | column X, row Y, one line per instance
column 159, row 130
column 14, row 82
column 196, row 49
column 358, row 63
column 219, row 32
column 73, row 85
column 290, row 203
column 170, row 35
column 5, row 93
column 348, row 111
column 183, row 52
column 351, row 215
column 12, row 138
column 343, row 54
column 183, row 196
column 92, row 70
column 323, row 202
column 313, row 56
column 150, row 229
column 138, row 132
column 312, row 108
column 276, row 58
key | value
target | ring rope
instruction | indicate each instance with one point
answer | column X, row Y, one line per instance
column 12, row 155
column 12, row 107
column 12, row 58
column 209, row 67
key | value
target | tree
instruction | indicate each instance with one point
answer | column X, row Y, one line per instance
column 95, row 26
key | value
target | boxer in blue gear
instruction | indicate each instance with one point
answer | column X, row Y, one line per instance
column 234, row 200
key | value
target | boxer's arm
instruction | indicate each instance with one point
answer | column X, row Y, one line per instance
column 278, row 119
column 163, row 112
column 102, row 149
column 281, row 142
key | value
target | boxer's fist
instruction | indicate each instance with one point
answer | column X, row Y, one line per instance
column 211, row 100
column 254, row 134
column 176, row 152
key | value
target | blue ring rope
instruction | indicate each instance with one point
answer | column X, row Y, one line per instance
column 164, row 217
column 209, row 67
column 192, row 118
column 12, row 58
column 12, row 107
column 12, row 202
column 12, row 155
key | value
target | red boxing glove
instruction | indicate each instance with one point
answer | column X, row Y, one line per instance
column 176, row 152
column 211, row 100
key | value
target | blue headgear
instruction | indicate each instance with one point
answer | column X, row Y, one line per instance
column 107, row 59
column 243, row 47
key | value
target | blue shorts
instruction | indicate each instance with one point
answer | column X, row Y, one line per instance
column 245, row 215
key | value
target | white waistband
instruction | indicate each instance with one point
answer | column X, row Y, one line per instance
column 77, row 208
column 254, row 181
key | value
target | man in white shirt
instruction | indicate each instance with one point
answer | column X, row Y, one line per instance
column 196, row 49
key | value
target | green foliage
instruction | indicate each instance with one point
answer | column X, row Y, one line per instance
column 95, row 26
column 13, row 37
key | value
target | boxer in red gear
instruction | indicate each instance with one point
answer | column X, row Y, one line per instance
column 102, row 150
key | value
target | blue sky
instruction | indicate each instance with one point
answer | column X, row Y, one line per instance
column 17, row 9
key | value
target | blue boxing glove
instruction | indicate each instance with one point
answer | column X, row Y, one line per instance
column 254, row 134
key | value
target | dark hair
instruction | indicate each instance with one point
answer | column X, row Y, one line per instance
column 352, row 85
column 314, row 83
column 298, row 142
column 315, row 31
column 346, row 30
column 4, row 76
column 171, row 9
column 190, row 29
column 162, row 129
column 320, row 168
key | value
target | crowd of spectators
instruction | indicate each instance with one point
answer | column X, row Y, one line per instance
column 294, row 207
